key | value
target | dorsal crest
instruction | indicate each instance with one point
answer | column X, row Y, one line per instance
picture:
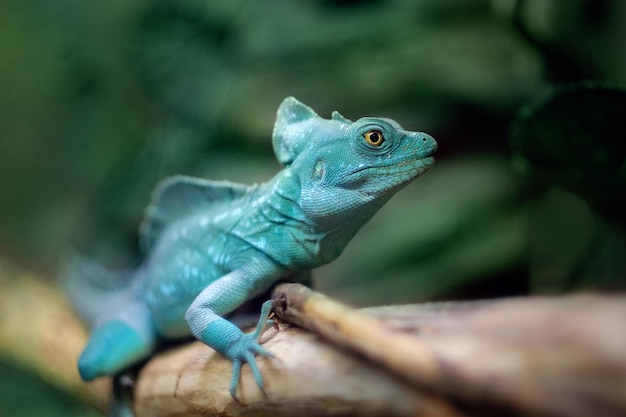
column 180, row 196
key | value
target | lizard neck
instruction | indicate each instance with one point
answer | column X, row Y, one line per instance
column 340, row 229
column 309, row 236
column 275, row 224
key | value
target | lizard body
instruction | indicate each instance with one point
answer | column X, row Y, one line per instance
column 213, row 245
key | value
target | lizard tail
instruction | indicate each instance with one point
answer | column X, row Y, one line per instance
column 93, row 289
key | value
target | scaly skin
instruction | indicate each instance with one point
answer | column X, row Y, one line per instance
column 213, row 245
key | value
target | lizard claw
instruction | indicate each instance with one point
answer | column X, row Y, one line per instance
column 264, row 321
column 245, row 349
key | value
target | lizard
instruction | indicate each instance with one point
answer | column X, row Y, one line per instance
column 212, row 245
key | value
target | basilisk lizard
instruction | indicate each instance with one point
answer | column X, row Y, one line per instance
column 213, row 245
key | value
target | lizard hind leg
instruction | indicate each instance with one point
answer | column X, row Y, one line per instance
column 117, row 342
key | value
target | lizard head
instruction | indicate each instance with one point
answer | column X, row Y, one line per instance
column 346, row 168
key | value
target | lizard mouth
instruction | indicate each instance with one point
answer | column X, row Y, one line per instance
column 396, row 172
column 407, row 170
column 397, row 166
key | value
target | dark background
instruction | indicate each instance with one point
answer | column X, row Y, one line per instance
column 100, row 100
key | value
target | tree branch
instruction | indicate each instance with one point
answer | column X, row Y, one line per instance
column 556, row 356
column 39, row 330
column 562, row 356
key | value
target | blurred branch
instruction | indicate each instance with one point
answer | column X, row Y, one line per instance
column 39, row 330
column 557, row 356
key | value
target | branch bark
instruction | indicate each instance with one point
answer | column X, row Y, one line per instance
column 561, row 356
column 308, row 377
column 557, row 356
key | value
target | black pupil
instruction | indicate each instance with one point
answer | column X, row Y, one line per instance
column 374, row 137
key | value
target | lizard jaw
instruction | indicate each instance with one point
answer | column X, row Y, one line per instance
column 406, row 170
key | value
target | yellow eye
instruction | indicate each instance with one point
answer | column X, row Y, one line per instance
column 374, row 137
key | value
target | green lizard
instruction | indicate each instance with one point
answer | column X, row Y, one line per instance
column 212, row 245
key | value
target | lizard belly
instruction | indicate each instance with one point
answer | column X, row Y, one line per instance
column 178, row 270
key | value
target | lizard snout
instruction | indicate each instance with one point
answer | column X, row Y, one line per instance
column 426, row 145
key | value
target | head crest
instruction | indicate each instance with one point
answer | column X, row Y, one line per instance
column 287, row 139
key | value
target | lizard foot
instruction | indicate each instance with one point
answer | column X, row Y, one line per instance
column 245, row 349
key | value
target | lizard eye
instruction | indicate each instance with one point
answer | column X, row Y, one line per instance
column 374, row 137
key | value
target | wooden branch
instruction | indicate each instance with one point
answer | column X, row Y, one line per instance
column 308, row 377
column 39, row 330
column 559, row 356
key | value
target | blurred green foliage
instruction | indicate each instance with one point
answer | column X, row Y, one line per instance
column 100, row 100
column 24, row 394
column 571, row 141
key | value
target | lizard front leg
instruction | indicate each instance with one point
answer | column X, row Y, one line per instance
column 223, row 296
